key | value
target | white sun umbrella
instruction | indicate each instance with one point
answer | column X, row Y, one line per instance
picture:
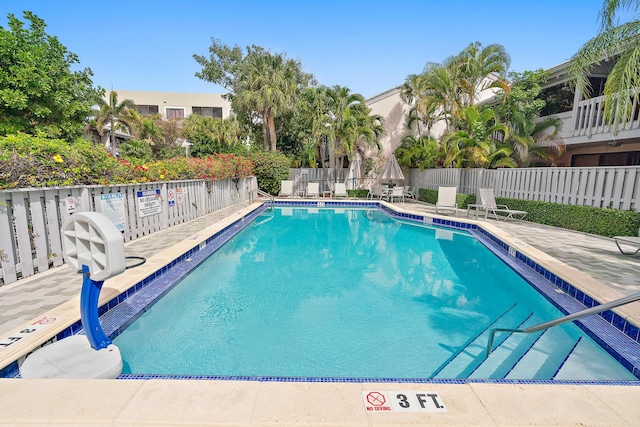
column 354, row 171
column 392, row 170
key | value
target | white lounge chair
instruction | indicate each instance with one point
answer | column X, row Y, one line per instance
column 340, row 190
column 634, row 242
column 447, row 200
column 396, row 193
column 488, row 204
column 286, row 189
column 313, row 189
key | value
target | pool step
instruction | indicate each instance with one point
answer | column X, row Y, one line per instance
column 462, row 363
column 507, row 353
column 545, row 357
column 589, row 361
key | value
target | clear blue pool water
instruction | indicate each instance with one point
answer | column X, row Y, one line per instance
column 332, row 293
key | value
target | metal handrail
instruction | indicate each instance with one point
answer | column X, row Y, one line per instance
column 267, row 195
column 577, row 315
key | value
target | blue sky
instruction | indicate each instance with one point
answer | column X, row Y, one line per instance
column 367, row 46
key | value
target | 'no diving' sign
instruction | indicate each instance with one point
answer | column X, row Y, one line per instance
column 402, row 401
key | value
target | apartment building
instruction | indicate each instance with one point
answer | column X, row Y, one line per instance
column 587, row 139
column 174, row 105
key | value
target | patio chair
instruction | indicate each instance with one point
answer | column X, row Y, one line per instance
column 286, row 189
column 488, row 204
column 409, row 192
column 376, row 191
column 447, row 200
column 397, row 192
column 340, row 190
column 634, row 242
column 313, row 189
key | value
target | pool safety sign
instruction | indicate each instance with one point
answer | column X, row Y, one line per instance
column 149, row 202
column 23, row 333
column 112, row 206
column 402, row 401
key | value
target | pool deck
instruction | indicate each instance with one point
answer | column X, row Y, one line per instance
column 590, row 260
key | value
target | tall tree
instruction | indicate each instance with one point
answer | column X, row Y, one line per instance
column 475, row 144
column 118, row 116
column 482, row 68
column 261, row 84
column 39, row 94
column 613, row 41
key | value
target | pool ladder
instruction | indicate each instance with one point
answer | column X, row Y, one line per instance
column 577, row 315
column 271, row 202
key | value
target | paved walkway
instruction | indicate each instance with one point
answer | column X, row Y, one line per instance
column 595, row 256
column 28, row 298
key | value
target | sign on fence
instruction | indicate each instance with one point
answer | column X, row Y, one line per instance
column 149, row 202
column 112, row 206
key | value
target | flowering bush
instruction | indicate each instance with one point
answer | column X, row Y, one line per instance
column 28, row 161
column 270, row 169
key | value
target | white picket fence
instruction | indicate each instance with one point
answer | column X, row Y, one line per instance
column 616, row 187
column 31, row 218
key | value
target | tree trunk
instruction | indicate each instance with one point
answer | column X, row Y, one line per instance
column 265, row 134
column 112, row 135
column 272, row 131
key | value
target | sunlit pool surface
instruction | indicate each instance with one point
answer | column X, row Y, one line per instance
column 308, row 292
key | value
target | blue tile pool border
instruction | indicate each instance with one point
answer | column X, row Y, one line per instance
column 132, row 303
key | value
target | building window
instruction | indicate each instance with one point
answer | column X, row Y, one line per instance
column 145, row 110
column 215, row 112
column 175, row 113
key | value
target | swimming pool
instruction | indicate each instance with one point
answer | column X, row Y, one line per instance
column 308, row 292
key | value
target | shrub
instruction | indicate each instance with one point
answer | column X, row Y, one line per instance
column 270, row 169
column 28, row 161
column 358, row 193
column 431, row 196
column 601, row 221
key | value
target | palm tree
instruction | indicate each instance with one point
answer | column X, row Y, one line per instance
column 474, row 145
column 482, row 68
column 350, row 124
column 621, row 42
column 531, row 140
column 268, row 84
column 418, row 152
column 116, row 115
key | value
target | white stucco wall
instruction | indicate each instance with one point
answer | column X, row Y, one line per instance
column 166, row 100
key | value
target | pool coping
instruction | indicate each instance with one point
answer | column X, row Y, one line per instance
column 200, row 245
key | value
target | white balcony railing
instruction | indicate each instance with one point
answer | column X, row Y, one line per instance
column 588, row 118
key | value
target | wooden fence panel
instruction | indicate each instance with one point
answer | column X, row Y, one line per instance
column 618, row 187
column 30, row 219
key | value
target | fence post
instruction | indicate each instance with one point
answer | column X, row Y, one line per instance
column 164, row 211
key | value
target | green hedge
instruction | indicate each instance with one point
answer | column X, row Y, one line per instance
column 359, row 193
column 601, row 221
column 431, row 196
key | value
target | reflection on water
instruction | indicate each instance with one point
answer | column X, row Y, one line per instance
column 326, row 293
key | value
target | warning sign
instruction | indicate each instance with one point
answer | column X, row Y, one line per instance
column 70, row 203
column 402, row 401
column 149, row 202
column 112, row 206
column 179, row 195
column 171, row 197
column 23, row 333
